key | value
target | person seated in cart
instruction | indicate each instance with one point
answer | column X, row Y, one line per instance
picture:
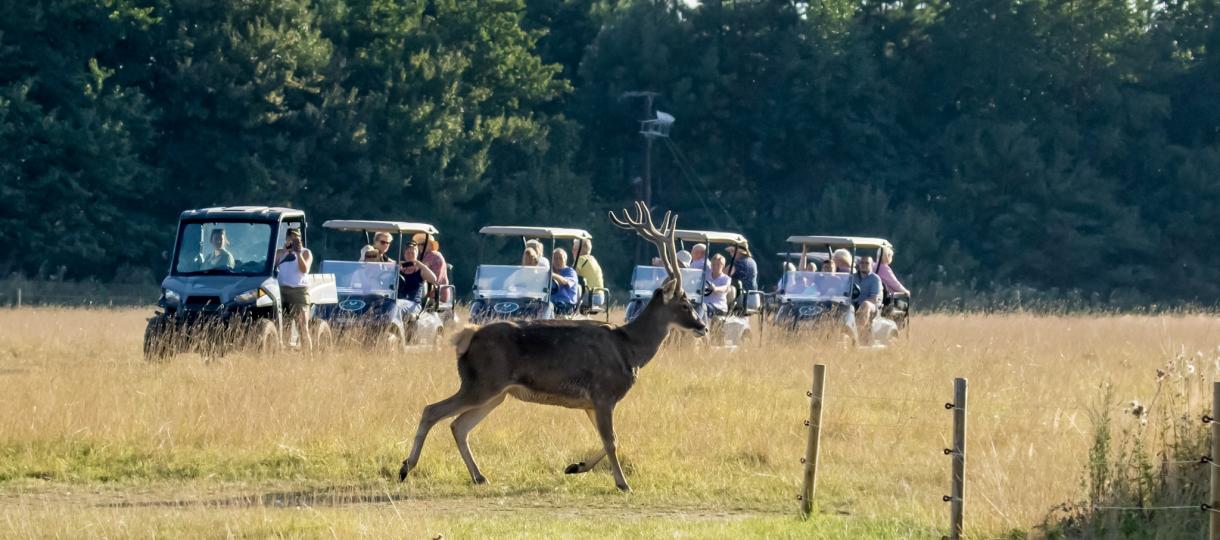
column 868, row 291
column 718, row 286
column 219, row 256
column 563, row 283
column 411, row 277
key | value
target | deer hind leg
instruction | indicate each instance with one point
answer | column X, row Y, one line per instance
column 605, row 428
column 461, row 429
column 591, row 461
column 450, row 406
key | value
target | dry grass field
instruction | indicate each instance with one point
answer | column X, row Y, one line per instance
column 94, row 442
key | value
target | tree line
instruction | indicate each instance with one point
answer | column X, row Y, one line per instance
column 1038, row 145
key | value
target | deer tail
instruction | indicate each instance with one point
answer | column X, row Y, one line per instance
column 461, row 340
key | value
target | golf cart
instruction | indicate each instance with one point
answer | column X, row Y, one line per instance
column 221, row 292
column 734, row 326
column 810, row 299
column 517, row 292
column 370, row 308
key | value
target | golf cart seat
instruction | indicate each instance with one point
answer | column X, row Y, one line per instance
column 592, row 300
column 745, row 302
column 896, row 307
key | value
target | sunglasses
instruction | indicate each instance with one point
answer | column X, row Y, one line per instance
column 383, row 243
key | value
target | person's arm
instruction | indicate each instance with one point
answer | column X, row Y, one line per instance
column 561, row 279
column 426, row 272
column 304, row 259
column 890, row 280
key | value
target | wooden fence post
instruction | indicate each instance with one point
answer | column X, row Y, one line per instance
column 957, row 497
column 816, row 395
column 1213, row 521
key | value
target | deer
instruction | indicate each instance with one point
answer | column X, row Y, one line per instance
column 584, row 365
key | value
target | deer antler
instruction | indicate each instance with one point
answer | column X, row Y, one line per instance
column 662, row 238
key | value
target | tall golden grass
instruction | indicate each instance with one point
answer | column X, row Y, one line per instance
column 704, row 431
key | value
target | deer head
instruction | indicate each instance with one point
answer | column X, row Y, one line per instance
column 670, row 298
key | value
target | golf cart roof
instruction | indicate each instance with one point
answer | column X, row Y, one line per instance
column 355, row 225
column 540, row 232
column 711, row 237
column 260, row 213
column 797, row 255
column 840, row 241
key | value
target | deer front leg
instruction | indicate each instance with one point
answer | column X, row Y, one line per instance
column 591, row 461
column 461, row 429
column 605, row 427
column 433, row 413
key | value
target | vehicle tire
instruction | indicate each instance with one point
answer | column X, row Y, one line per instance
column 323, row 337
column 158, row 340
column 266, row 337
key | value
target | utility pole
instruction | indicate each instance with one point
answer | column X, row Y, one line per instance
column 646, row 173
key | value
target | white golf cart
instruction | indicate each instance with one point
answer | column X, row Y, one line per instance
column 372, row 306
column 517, row 292
column 809, row 298
column 730, row 329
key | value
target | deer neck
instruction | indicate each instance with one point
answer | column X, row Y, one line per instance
column 646, row 333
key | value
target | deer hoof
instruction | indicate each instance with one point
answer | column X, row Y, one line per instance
column 624, row 488
column 480, row 480
column 576, row 468
column 402, row 473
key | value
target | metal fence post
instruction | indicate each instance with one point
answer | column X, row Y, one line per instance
column 18, row 298
column 815, row 432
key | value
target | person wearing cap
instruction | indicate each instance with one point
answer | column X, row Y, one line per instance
column 435, row 261
column 292, row 262
column 684, row 259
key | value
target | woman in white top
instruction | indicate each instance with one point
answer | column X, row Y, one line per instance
column 293, row 262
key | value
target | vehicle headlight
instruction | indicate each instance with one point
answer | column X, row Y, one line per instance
column 249, row 296
column 171, row 298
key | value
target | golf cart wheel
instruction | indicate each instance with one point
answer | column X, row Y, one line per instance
column 266, row 337
column 158, row 343
column 323, row 337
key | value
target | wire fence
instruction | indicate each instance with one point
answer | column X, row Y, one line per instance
column 913, row 418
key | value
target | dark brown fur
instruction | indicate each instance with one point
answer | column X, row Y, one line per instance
column 575, row 364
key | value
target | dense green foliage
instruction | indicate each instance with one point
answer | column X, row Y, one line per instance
column 1053, row 144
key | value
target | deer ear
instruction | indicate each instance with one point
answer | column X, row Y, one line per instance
column 669, row 287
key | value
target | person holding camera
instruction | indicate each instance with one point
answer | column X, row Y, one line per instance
column 292, row 262
column 411, row 276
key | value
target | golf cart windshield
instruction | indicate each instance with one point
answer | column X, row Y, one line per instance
column 361, row 278
column 224, row 248
column 816, row 286
column 502, row 281
column 646, row 279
